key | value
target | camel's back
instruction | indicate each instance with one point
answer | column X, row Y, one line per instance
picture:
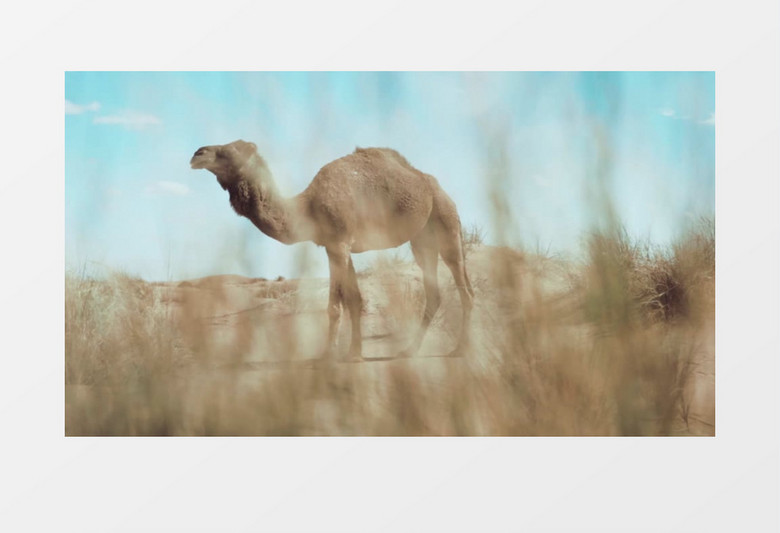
column 372, row 190
column 370, row 165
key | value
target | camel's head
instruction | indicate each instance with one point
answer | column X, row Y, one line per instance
column 221, row 159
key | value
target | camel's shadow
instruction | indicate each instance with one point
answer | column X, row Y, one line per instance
column 406, row 358
column 318, row 363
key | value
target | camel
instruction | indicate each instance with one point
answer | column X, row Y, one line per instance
column 371, row 199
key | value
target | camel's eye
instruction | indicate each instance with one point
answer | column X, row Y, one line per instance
column 200, row 151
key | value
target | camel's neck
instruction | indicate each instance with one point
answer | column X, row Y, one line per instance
column 253, row 194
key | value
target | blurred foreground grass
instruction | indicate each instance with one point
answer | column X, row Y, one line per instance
column 614, row 348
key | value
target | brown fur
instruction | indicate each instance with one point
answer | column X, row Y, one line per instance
column 371, row 199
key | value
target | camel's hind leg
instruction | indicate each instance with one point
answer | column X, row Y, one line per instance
column 451, row 249
column 426, row 253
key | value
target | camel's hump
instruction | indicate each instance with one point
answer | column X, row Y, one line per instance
column 376, row 151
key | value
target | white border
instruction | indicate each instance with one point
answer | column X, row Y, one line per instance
column 726, row 483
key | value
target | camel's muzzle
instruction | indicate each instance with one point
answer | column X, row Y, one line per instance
column 201, row 159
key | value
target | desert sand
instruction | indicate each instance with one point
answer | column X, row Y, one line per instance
column 246, row 337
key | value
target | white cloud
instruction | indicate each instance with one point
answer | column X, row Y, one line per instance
column 168, row 187
column 129, row 119
column 76, row 109
column 671, row 113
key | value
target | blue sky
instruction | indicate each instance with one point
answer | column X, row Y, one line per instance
column 566, row 140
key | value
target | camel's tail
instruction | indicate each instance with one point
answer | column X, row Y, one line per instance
column 465, row 270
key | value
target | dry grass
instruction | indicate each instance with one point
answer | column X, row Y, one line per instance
column 473, row 236
column 608, row 347
column 661, row 284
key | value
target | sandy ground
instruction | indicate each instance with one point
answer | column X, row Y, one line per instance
column 250, row 317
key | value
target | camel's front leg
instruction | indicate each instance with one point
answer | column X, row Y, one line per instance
column 354, row 302
column 344, row 291
column 335, row 299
